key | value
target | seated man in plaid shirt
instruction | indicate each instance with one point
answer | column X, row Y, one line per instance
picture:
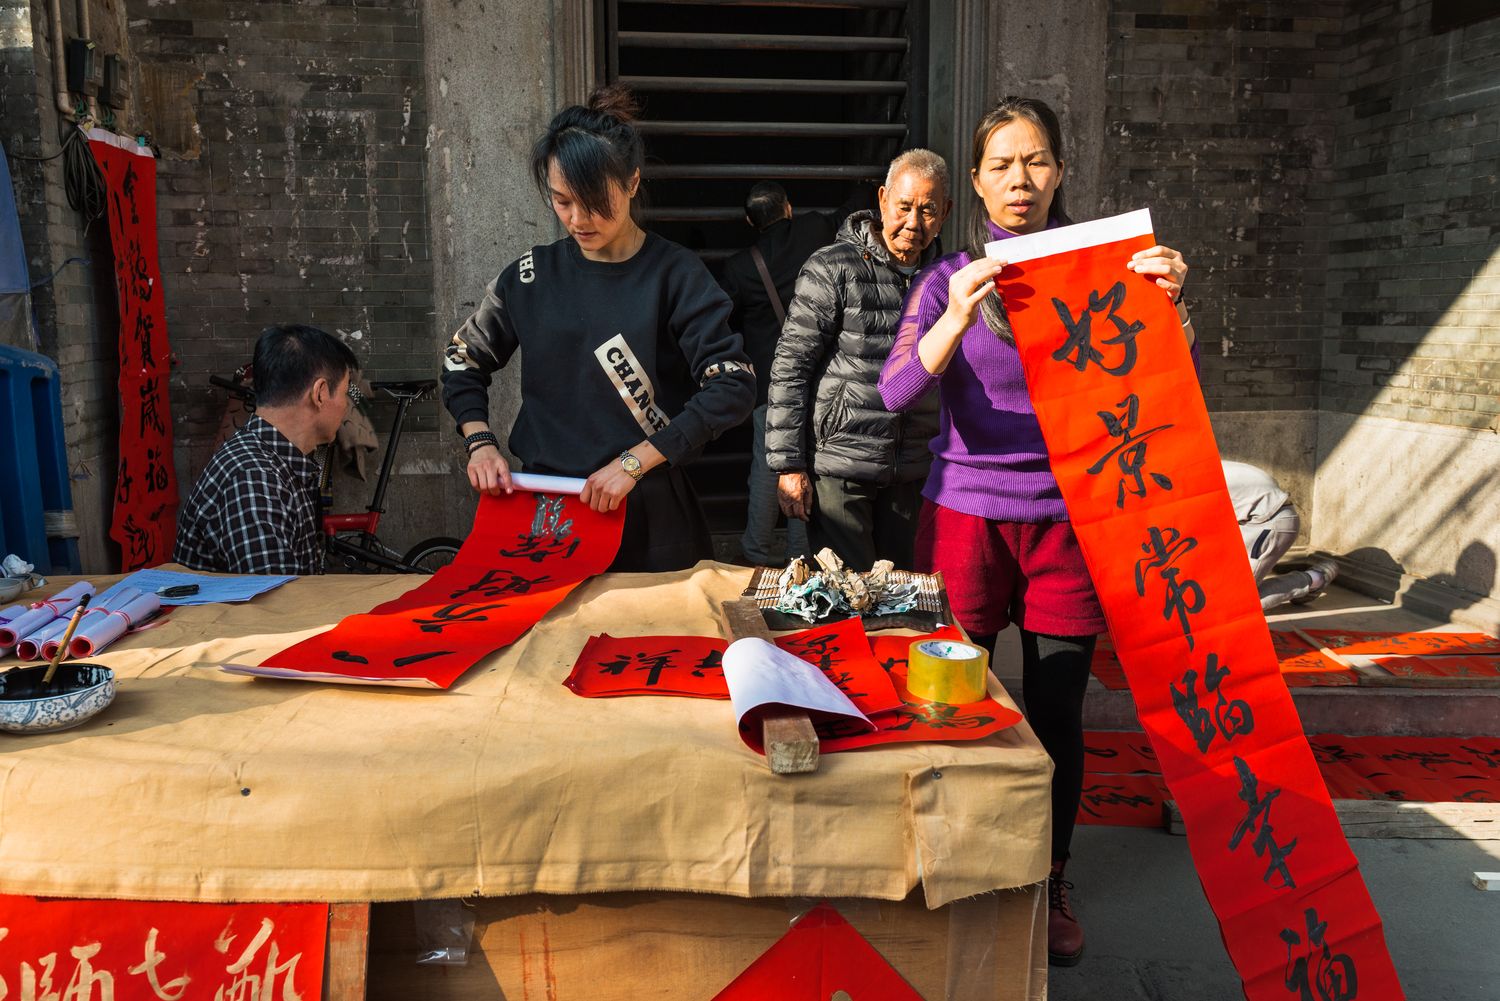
column 255, row 508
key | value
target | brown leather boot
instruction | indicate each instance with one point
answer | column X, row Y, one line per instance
column 1064, row 934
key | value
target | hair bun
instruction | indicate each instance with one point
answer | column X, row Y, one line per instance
column 617, row 100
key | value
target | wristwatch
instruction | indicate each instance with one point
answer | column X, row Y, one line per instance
column 631, row 465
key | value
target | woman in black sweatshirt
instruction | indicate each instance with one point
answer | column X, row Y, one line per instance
column 630, row 365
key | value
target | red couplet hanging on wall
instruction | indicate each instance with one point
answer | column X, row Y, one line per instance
column 129, row 949
column 145, row 515
column 1110, row 374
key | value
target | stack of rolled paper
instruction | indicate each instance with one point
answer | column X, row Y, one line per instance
column 59, row 606
column 127, row 608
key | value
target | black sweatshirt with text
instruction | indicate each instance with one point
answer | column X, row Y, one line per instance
column 612, row 353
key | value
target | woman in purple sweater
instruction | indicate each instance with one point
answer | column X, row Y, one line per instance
column 993, row 519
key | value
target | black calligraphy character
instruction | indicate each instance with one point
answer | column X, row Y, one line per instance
column 1490, row 757
column 455, row 614
column 142, row 544
column 652, row 663
column 1265, row 838
column 938, row 716
column 1427, row 759
column 137, row 273
column 712, row 661
column 1327, row 754
column 818, row 646
column 845, row 681
column 1229, row 719
column 550, row 533
column 348, row 657
column 1104, row 795
column 151, row 406
column 156, row 471
column 1130, row 453
column 123, row 483
column 494, row 583
column 145, row 328
column 1080, row 333
column 1332, row 974
column 1183, row 598
column 417, row 658
column 127, row 188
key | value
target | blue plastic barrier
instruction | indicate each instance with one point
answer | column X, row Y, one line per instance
column 33, row 461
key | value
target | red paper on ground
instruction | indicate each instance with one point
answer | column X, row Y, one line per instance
column 1118, row 752
column 1409, row 644
column 1441, row 667
column 819, row 957
column 128, row 950
column 1122, row 800
column 525, row 553
column 1129, row 440
column 145, row 513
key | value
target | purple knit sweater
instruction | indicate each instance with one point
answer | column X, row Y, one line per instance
column 989, row 457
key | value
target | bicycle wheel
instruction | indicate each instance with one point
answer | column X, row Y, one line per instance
column 431, row 554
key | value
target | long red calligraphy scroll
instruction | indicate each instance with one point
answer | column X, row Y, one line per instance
column 524, row 554
column 145, row 515
column 133, row 951
column 1110, row 375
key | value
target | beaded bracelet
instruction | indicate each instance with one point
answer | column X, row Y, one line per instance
column 479, row 439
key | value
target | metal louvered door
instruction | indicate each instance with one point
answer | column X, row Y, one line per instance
column 816, row 94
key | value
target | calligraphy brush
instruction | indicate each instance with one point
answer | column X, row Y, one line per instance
column 62, row 648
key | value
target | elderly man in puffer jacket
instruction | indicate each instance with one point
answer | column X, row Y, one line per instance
column 850, row 468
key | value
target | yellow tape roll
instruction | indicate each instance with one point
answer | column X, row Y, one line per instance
column 947, row 671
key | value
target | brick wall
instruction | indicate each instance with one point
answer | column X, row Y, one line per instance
column 299, row 197
column 1413, row 311
column 1221, row 122
column 75, row 314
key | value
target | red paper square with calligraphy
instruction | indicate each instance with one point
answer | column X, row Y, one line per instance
column 819, row 958
column 525, row 553
column 917, row 719
column 841, row 650
column 1119, row 752
column 128, row 949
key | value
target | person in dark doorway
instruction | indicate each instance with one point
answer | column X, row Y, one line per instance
column 630, row 365
column 993, row 520
column 255, row 508
column 1269, row 524
column 760, row 282
column 848, row 466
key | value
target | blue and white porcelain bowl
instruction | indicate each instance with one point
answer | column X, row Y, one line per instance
column 77, row 692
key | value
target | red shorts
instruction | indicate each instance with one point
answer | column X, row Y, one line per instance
column 999, row 572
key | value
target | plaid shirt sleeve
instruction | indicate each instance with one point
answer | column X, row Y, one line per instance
column 261, row 539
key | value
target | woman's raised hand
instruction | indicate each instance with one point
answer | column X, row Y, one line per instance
column 969, row 285
column 488, row 471
column 1167, row 264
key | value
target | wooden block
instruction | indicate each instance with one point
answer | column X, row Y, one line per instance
column 788, row 737
column 1487, row 880
column 1378, row 818
column 348, row 952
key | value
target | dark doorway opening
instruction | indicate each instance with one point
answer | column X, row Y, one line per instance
column 819, row 95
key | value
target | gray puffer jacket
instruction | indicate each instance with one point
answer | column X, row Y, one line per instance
column 824, row 413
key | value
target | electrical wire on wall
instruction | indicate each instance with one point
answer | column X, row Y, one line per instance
column 81, row 176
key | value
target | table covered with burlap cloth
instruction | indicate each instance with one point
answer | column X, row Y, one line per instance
column 200, row 785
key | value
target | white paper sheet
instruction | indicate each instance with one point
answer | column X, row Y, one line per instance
column 1016, row 249
column 761, row 674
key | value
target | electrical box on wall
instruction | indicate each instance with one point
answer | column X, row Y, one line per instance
column 115, row 89
column 83, row 67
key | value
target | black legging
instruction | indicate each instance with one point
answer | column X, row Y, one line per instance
column 1054, row 676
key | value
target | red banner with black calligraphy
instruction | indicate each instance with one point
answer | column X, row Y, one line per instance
column 1112, row 380
column 131, row 950
column 525, row 553
column 145, row 514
